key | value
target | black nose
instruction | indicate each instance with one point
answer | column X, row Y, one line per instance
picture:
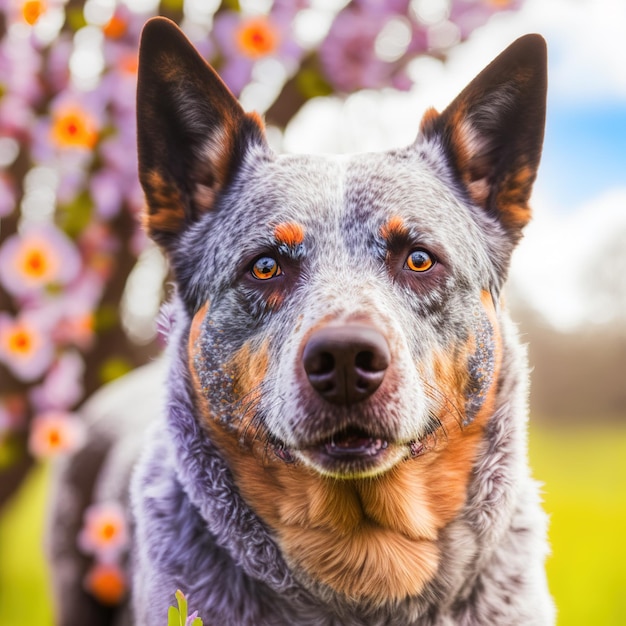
column 346, row 364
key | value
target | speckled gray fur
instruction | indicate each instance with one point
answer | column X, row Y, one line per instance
column 192, row 529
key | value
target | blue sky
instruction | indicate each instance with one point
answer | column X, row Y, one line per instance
column 584, row 151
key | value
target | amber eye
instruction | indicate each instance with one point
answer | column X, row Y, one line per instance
column 266, row 267
column 419, row 261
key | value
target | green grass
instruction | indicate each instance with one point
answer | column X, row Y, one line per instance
column 584, row 474
column 24, row 596
column 585, row 494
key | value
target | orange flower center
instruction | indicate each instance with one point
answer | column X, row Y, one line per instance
column 54, row 438
column 74, row 129
column 109, row 531
column 35, row 264
column 32, row 10
column 115, row 28
column 20, row 342
column 257, row 37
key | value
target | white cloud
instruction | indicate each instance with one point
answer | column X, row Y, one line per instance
column 553, row 267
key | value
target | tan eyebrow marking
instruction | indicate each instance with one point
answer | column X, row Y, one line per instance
column 395, row 227
column 289, row 234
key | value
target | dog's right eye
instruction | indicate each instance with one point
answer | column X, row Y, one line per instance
column 419, row 261
column 265, row 267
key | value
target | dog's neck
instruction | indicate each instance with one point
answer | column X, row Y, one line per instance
column 373, row 539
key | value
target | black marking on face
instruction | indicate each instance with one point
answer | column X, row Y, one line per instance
column 481, row 368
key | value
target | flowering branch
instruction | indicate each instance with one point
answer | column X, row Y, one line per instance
column 70, row 200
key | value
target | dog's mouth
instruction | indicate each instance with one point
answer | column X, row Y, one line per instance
column 351, row 452
column 351, row 443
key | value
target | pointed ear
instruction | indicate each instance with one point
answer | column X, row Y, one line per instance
column 492, row 133
column 192, row 134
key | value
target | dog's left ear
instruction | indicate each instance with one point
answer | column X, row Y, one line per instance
column 492, row 133
column 192, row 134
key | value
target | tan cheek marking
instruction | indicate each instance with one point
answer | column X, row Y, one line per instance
column 447, row 468
column 289, row 233
column 248, row 369
column 194, row 331
column 194, row 361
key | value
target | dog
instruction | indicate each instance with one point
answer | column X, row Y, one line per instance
column 343, row 439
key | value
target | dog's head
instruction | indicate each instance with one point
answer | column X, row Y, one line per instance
column 344, row 311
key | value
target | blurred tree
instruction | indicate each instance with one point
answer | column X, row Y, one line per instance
column 604, row 282
column 70, row 201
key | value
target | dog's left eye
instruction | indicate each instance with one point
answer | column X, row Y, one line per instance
column 419, row 261
column 266, row 267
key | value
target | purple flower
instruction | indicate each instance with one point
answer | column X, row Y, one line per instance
column 25, row 346
column 106, row 193
column 105, row 531
column 68, row 135
column 470, row 14
column 62, row 387
column 39, row 257
column 243, row 40
column 20, row 65
column 55, row 432
column 348, row 53
column 16, row 117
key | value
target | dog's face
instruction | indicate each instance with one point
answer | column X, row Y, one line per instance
column 344, row 311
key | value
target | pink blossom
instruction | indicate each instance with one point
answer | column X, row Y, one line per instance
column 105, row 531
column 106, row 193
column 348, row 53
column 25, row 346
column 98, row 245
column 20, row 65
column 470, row 14
column 16, row 117
column 36, row 258
column 55, row 432
column 58, row 70
column 243, row 40
column 70, row 131
column 62, row 387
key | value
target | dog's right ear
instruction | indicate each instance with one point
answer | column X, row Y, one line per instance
column 192, row 134
column 492, row 132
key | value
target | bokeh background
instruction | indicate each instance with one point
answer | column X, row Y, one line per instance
column 80, row 286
